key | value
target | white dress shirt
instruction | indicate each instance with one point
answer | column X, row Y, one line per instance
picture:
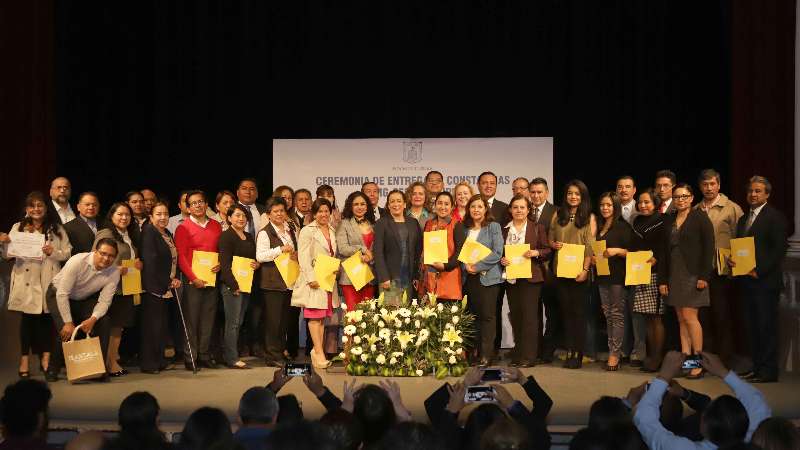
column 66, row 214
column 629, row 211
column 256, row 215
column 79, row 279
column 264, row 253
column 753, row 214
column 174, row 221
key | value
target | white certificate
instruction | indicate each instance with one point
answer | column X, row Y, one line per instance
column 25, row 245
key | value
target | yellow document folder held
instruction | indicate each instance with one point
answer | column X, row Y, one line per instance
column 743, row 253
column 358, row 271
column 520, row 266
column 435, row 247
column 132, row 280
column 473, row 251
column 637, row 270
column 243, row 273
column 288, row 268
column 570, row 260
column 325, row 268
column 722, row 261
column 202, row 262
column 601, row 262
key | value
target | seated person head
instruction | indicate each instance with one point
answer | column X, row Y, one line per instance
column 724, row 421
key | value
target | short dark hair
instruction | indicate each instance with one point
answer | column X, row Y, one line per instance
column 109, row 242
column 762, row 180
column 273, row 202
column 607, row 412
column 207, row 427
column 432, row 172
column 366, row 183
column 707, row 174
column 192, row 192
column 654, row 197
column 347, row 212
column 392, row 192
column 130, row 194
column 373, row 407
column 518, row 197
column 243, row 180
column 667, row 174
column 138, row 415
column 469, row 222
column 686, row 186
column 258, row 405
column 233, row 208
column 222, row 194
column 318, row 203
column 302, row 191
column 725, row 421
column 21, row 405
column 626, row 177
column 523, row 179
column 343, row 429
column 446, row 194
column 278, row 190
column 539, row 180
column 85, row 193
column 488, row 172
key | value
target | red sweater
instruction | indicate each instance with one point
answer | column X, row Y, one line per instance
column 189, row 237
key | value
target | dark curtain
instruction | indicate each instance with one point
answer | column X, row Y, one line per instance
column 27, row 136
column 763, row 69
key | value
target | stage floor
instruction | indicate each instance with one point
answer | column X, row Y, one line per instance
column 179, row 392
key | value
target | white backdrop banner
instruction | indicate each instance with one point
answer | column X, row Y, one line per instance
column 395, row 163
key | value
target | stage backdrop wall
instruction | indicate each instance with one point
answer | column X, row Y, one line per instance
column 395, row 163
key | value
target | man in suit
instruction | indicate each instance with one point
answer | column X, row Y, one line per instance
column 252, row 332
column 82, row 229
column 300, row 215
column 665, row 181
column 542, row 211
column 520, row 186
column 626, row 190
column 371, row 190
column 762, row 286
column 60, row 191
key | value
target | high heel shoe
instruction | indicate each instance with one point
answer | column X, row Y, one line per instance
column 323, row 364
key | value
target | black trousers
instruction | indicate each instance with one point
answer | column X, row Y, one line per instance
column 155, row 314
column 293, row 330
column 498, row 339
column 723, row 328
column 80, row 311
column 254, row 326
column 523, row 305
column 552, row 332
column 482, row 302
column 36, row 333
column 572, row 299
column 199, row 310
column 276, row 321
column 761, row 305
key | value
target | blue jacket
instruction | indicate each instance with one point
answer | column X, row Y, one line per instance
column 489, row 267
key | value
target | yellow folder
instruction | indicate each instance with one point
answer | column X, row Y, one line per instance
column 743, row 253
column 202, row 262
column 473, row 251
column 288, row 268
column 598, row 248
column 435, row 247
column 722, row 261
column 359, row 272
column 325, row 268
column 520, row 266
column 570, row 260
column 243, row 273
column 637, row 271
column 131, row 281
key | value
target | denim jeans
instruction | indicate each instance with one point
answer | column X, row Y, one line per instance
column 235, row 307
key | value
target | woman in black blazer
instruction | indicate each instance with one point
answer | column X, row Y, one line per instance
column 159, row 276
column 687, row 268
column 397, row 246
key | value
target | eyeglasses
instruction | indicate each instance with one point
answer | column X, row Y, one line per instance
column 682, row 197
column 197, row 203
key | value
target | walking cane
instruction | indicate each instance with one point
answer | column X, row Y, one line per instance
column 185, row 330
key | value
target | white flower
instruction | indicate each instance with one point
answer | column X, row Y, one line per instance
column 363, row 324
column 455, row 319
column 454, row 309
column 350, row 330
column 342, row 355
column 372, row 305
column 354, row 316
column 373, row 348
column 439, row 307
column 397, row 323
column 459, row 351
column 408, row 320
column 344, row 339
column 380, row 359
column 384, row 311
column 393, row 361
column 404, row 312
column 381, row 323
column 449, row 326
column 356, row 339
column 449, row 350
column 414, row 302
column 357, row 350
column 376, row 318
column 384, row 333
column 365, row 357
column 419, row 372
column 417, row 324
column 343, row 306
column 397, row 354
column 452, row 360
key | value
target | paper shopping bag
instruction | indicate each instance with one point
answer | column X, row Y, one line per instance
column 83, row 358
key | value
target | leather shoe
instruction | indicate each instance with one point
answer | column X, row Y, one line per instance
column 636, row 363
column 188, row 365
column 272, row 363
column 118, row 373
column 209, row 364
column 757, row 379
column 747, row 375
column 51, row 375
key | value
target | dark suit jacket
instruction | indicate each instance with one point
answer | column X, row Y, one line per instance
column 80, row 235
column 500, row 212
column 546, row 215
column 386, row 248
column 769, row 233
column 156, row 260
column 298, row 222
column 696, row 242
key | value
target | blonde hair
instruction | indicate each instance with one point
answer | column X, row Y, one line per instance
column 463, row 183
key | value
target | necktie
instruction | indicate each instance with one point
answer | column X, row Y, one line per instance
column 536, row 215
column 663, row 208
column 251, row 225
column 750, row 220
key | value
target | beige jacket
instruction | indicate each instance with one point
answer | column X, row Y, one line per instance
column 310, row 244
column 723, row 215
column 30, row 278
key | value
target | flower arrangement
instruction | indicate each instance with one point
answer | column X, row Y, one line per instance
column 410, row 339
